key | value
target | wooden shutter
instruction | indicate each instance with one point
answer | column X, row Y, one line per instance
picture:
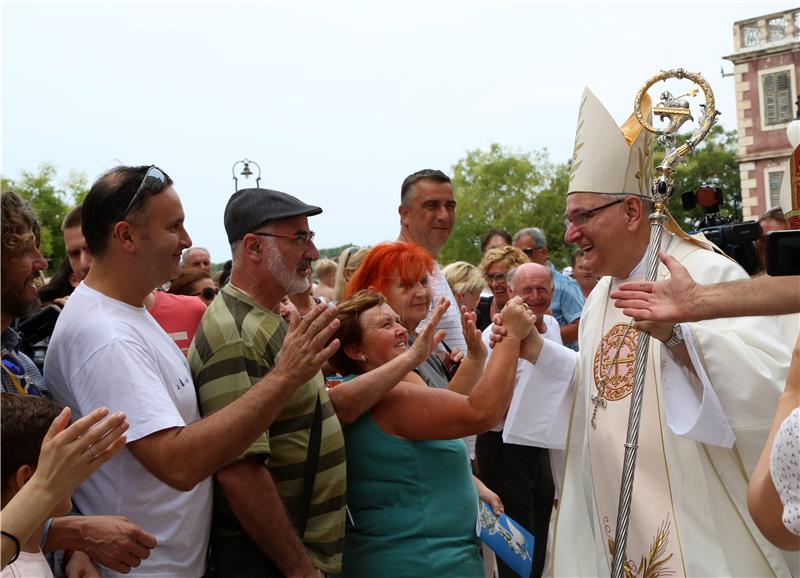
column 770, row 99
column 775, row 182
column 783, row 87
column 777, row 93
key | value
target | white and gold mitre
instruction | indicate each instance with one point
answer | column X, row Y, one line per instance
column 607, row 158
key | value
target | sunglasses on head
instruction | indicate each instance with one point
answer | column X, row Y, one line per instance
column 154, row 181
column 207, row 293
column 18, row 376
column 350, row 252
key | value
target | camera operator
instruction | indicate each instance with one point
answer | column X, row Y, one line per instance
column 772, row 220
column 774, row 491
column 736, row 239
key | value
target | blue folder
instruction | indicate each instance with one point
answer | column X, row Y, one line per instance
column 512, row 543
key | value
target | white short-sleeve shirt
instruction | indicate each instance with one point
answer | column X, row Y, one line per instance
column 106, row 353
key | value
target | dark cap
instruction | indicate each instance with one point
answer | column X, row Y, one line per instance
column 249, row 209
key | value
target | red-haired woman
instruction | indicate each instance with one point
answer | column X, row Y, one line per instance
column 400, row 271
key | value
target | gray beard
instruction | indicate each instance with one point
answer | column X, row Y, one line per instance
column 290, row 281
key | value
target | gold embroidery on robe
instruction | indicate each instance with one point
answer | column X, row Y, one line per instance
column 615, row 361
column 654, row 564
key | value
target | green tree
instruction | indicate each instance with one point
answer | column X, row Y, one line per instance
column 713, row 162
column 51, row 202
column 502, row 189
column 333, row 252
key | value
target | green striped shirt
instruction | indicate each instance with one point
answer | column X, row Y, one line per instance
column 237, row 343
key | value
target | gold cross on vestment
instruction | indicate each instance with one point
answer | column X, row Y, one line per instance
column 617, row 361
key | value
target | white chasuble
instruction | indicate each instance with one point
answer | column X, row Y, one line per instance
column 700, row 438
column 653, row 547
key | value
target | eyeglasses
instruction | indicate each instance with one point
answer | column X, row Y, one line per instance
column 18, row 376
column 525, row 291
column 207, row 293
column 300, row 238
column 495, row 277
column 154, row 181
column 529, row 250
column 581, row 218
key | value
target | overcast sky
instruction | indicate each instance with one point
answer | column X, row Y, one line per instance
column 337, row 102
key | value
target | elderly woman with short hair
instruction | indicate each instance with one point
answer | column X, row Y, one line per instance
column 496, row 266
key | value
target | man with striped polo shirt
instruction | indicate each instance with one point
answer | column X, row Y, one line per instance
column 280, row 508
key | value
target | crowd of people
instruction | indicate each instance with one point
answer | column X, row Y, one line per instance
column 255, row 423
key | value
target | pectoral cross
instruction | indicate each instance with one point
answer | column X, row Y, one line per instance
column 598, row 401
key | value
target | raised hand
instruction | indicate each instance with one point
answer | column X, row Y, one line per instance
column 476, row 348
column 429, row 338
column 670, row 300
column 304, row 348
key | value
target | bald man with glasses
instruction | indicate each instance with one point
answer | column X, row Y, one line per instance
column 568, row 300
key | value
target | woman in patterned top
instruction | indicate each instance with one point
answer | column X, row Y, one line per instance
column 773, row 496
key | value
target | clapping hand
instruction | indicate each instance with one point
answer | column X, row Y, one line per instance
column 429, row 338
column 476, row 348
column 304, row 348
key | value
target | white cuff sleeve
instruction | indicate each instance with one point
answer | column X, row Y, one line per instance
column 692, row 406
column 539, row 411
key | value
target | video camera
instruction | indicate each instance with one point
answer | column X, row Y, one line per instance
column 783, row 253
column 737, row 240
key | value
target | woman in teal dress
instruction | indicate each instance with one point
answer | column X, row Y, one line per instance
column 410, row 494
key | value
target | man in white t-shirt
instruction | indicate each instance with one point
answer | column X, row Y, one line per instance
column 427, row 216
column 521, row 474
column 107, row 350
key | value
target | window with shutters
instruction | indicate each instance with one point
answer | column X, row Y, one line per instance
column 775, row 180
column 777, row 95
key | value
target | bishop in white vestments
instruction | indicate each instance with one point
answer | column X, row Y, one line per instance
column 710, row 392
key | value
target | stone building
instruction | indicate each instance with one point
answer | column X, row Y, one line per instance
column 766, row 62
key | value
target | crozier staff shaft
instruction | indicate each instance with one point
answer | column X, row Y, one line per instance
column 677, row 111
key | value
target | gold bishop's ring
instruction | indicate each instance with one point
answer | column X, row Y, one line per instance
column 91, row 453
